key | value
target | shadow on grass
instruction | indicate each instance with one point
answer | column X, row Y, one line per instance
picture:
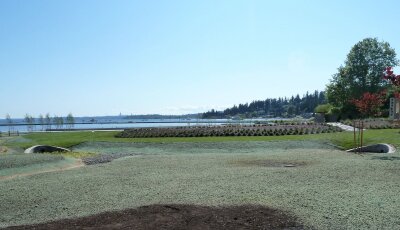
column 387, row 158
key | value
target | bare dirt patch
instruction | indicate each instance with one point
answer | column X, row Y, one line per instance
column 270, row 163
column 174, row 216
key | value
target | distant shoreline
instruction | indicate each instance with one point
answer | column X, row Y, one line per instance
column 131, row 122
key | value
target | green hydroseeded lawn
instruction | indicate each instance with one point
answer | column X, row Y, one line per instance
column 15, row 165
column 8, row 161
column 331, row 189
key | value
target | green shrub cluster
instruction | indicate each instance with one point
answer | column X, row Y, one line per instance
column 229, row 130
column 376, row 123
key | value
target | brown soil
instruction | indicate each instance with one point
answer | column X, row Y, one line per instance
column 176, row 216
column 270, row 163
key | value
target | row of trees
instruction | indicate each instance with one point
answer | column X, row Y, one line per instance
column 273, row 107
column 45, row 122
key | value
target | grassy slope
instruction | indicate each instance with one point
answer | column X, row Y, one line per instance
column 32, row 163
column 335, row 190
column 16, row 160
column 68, row 139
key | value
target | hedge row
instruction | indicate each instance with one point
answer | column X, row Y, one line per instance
column 377, row 123
column 210, row 131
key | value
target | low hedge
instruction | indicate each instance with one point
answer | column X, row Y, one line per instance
column 239, row 130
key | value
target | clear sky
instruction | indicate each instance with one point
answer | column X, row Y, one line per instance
column 175, row 57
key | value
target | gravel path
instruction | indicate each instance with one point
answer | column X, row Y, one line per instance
column 105, row 158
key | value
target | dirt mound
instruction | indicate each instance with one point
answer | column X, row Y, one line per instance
column 179, row 217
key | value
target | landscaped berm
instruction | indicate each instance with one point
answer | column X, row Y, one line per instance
column 242, row 182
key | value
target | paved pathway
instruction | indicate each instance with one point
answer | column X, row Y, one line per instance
column 342, row 126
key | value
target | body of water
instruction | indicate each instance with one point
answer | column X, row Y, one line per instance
column 142, row 123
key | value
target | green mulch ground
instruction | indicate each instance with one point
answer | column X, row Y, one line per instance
column 8, row 161
column 328, row 188
column 15, row 165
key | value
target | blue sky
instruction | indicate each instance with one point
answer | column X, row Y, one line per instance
column 175, row 57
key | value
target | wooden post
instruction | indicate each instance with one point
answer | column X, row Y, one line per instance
column 354, row 134
column 359, row 136
column 362, row 133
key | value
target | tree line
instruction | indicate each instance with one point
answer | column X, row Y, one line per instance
column 360, row 78
column 272, row 107
column 45, row 122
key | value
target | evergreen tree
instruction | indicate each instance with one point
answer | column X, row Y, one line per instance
column 272, row 107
